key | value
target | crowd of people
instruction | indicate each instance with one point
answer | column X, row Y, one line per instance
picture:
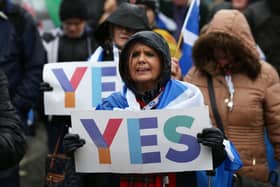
column 235, row 73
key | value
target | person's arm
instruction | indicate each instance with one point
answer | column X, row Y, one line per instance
column 12, row 140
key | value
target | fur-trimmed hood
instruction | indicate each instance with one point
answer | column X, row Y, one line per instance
column 233, row 23
column 229, row 31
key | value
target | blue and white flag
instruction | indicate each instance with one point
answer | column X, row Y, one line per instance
column 224, row 173
column 190, row 32
column 97, row 55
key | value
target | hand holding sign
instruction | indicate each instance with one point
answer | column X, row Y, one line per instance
column 45, row 87
column 213, row 137
column 71, row 142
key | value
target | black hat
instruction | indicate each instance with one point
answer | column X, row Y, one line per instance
column 156, row 42
column 126, row 15
column 73, row 9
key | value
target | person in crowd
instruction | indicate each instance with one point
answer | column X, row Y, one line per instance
column 263, row 18
column 73, row 41
column 12, row 138
column 240, row 5
column 111, row 35
column 156, row 18
column 22, row 57
column 177, row 10
column 245, row 89
column 148, row 52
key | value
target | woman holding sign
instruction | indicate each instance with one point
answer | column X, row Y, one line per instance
column 146, row 71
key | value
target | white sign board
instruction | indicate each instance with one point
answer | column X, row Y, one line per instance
column 79, row 85
column 151, row 141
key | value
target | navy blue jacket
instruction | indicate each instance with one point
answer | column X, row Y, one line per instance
column 22, row 57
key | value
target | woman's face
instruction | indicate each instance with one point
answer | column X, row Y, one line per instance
column 221, row 64
column 144, row 67
column 121, row 35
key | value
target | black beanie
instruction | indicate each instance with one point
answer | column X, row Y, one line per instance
column 73, row 9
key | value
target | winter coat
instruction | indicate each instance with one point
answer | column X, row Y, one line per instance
column 61, row 48
column 22, row 57
column 256, row 103
column 12, row 140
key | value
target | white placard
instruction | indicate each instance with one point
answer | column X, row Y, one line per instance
column 79, row 85
column 152, row 141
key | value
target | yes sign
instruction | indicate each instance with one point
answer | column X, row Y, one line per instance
column 79, row 85
column 146, row 138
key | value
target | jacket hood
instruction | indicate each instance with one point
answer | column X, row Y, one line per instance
column 154, row 41
column 126, row 15
column 234, row 24
column 229, row 33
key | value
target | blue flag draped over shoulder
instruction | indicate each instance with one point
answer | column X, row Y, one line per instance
column 190, row 32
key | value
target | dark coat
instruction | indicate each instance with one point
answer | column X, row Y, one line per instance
column 22, row 57
column 12, row 140
column 265, row 27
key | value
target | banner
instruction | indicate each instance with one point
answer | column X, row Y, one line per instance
column 151, row 141
column 79, row 85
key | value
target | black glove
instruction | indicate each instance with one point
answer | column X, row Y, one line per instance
column 213, row 137
column 45, row 87
column 71, row 142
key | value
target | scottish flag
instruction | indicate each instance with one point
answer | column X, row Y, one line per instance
column 190, row 32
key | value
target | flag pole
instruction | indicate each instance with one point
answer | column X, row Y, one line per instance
column 178, row 44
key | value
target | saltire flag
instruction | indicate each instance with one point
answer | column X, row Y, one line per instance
column 190, row 32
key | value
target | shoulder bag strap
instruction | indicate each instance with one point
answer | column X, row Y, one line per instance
column 55, row 152
column 216, row 114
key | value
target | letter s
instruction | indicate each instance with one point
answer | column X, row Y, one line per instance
column 193, row 147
